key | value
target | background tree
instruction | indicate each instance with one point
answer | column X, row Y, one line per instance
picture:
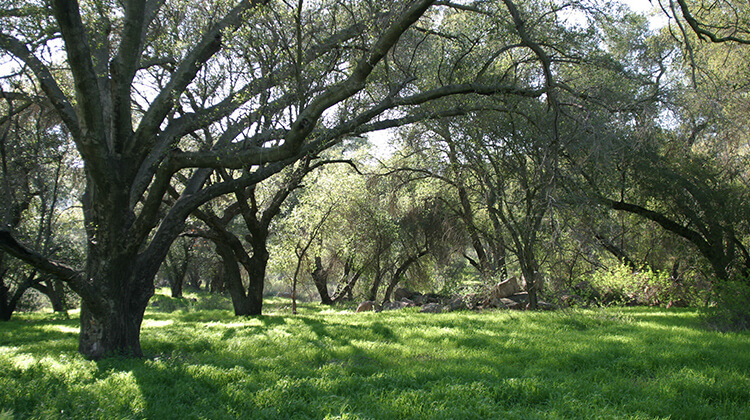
column 177, row 263
column 37, row 184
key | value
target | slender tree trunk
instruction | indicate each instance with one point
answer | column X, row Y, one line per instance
column 400, row 272
column 176, row 286
column 532, row 285
column 256, row 270
column 373, row 294
column 53, row 289
column 233, row 279
column 250, row 301
column 57, row 297
column 320, row 278
column 177, row 275
column 530, row 270
column 6, row 311
column 346, row 293
column 8, row 301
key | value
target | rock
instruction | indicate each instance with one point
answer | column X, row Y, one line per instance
column 455, row 304
column 521, row 297
column 432, row 308
column 504, row 303
column 418, row 299
column 402, row 293
column 365, row 306
column 432, row 298
column 401, row 304
column 391, row 306
column 507, row 288
column 510, row 303
column 545, row 306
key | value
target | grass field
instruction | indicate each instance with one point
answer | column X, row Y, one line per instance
column 206, row 364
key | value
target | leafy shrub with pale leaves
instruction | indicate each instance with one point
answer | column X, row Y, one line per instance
column 620, row 285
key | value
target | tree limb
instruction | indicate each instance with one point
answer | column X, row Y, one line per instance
column 65, row 273
column 703, row 33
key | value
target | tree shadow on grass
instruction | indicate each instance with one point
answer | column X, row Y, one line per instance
column 385, row 367
column 40, row 337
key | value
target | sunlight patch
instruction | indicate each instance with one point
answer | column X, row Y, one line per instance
column 227, row 325
column 8, row 349
column 24, row 361
column 152, row 323
column 63, row 329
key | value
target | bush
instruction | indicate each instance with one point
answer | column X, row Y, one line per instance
column 730, row 309
column 620, row 285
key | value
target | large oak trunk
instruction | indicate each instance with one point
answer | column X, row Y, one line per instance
column 120, row 273
column 256, row 279
column 112, row 325
column 115, row 332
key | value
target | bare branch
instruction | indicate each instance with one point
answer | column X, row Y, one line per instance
column 48, row 84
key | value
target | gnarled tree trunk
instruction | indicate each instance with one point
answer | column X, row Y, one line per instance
column 320, row 278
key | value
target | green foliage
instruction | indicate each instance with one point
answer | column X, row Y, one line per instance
column 731, row 308
column 620, row 285
column 611, row 363
column 192, row 301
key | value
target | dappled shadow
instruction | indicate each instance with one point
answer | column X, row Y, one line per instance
column 40, row 336
column 270, row 320
column 631, row 364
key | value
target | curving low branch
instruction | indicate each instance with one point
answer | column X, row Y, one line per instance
column 73, row 277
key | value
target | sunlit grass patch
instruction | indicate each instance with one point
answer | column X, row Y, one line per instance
column 325, row 363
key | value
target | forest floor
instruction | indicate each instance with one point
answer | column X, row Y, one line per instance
column 332, row 363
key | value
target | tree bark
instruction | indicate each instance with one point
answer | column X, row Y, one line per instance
column 320, row 278
column 373, row 293
column 53, row 289
column 346, row 292
column 111, row 324
column 256, row 271
column 9, row 301
column 400, row 272
column 175, row 286
column 233, row 279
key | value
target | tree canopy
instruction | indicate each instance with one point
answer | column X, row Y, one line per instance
column 217, row 111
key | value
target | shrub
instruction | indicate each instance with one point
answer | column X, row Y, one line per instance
column 620, row 285
column 730, row 309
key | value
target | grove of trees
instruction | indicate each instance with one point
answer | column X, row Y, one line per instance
column 540, row 139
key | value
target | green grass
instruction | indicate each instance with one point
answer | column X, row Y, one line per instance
column 206, row 364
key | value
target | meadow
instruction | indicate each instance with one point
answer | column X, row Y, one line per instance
column 616, row 363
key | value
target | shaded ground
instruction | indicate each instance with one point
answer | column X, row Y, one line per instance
column 614, row 363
